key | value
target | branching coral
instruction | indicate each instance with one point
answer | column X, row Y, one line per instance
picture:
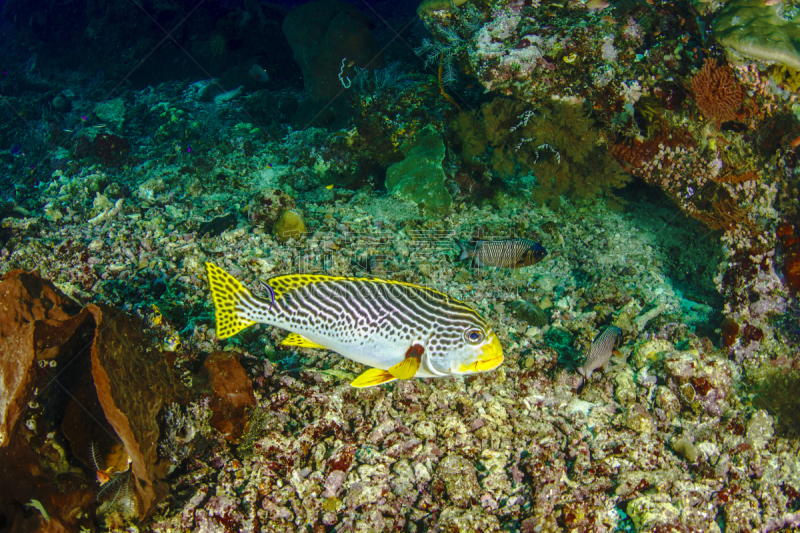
column 717, row 92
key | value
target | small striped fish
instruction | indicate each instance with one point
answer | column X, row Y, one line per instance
column 507, row 253
column 398, row 329
column 603, row 347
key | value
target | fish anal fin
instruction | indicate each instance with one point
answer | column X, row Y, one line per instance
column 371, row 378
column 295, row 339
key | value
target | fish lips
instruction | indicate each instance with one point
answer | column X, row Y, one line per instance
column 490, row 358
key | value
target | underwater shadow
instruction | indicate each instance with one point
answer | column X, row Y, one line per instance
column 690, row 251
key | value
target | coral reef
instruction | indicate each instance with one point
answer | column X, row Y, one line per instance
column 717, row 92
column 775, row 393
column 84, row 396
column 290, row 225
column 661, row 179
column 536, row 50
column 81, row 378
column 557, row 143
column 231, row 394
column 268, row 206
column 790, row 244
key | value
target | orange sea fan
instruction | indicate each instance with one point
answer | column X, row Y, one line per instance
column 717, row 92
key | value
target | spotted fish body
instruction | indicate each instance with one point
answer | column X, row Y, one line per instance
column 600, row 353
column 399, row 329
column 507, row 253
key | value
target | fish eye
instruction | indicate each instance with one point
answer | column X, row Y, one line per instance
column 473, row 336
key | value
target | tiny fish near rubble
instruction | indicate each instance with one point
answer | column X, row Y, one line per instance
column 398, row 329
column 603, row 347
column 506, row 253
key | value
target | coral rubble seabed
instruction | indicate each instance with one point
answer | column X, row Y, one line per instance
column 657, row 170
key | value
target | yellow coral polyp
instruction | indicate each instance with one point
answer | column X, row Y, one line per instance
column 156, row 318
column 787, row 77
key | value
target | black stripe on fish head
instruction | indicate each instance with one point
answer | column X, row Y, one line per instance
column 532, row 255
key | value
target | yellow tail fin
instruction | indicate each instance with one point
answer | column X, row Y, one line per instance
column 227, row 292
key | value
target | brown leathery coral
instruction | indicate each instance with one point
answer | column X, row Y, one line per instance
column 82, row 377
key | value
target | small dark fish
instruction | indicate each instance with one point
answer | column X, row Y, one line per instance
column 506, row 253
column 257, row 72
column 603, row 347
column 16, row 150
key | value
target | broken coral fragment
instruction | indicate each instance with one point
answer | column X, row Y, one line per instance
column 232, row 394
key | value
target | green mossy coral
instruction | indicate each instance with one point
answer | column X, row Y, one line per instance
column 786, row 77
column 557, row 143
column 648, row 115
column 420, row 178
column 755, row 30
column 289, row 226
column 777, row 393
column 470, row 135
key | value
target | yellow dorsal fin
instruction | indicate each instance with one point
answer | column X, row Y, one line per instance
column 371, row 378
column 294, row 339
column 407, row 368
column 227, row 293
column 283, row 284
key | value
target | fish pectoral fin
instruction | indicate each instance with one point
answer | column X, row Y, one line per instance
column 371, row 378
column 407, row 368
column 295, row 339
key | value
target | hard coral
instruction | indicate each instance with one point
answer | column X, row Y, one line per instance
column 717, row 92
column 233, row 394
column 777, row 393
column 635, row 153
column 110, row 149
column 558, row 143
column 790, row 242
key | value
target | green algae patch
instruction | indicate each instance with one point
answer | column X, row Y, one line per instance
column 754, row 30
column 419, row 178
